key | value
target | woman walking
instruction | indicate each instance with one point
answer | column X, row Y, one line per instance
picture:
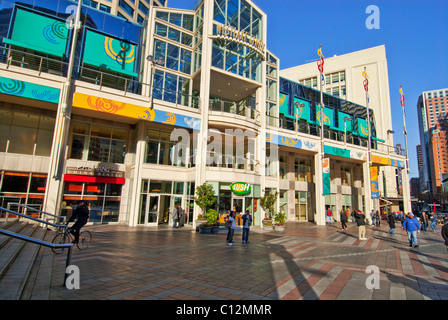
column 231, row 228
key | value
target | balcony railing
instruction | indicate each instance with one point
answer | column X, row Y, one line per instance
column 336, row 135
column 234, row 108
column 42, row 64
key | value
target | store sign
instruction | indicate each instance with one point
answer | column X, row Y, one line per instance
column 240, row 188
column 100, row 171
column 232, row 33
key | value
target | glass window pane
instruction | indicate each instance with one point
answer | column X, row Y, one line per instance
column 152, row 152
column 99, row 131
column 161, row 29
column 15, row 182
column 99, row 149
column 44, row 143
column 22, row 140
column 174, row 35
column 77, row 147
column 176, row 18
column 38, row 183
column 118, row 151
column 25, row 120
column 80, row 127
column 172, row 59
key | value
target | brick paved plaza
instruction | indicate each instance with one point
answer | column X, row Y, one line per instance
column 306, row 262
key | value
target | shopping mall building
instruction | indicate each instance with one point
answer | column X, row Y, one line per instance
column 132, row 116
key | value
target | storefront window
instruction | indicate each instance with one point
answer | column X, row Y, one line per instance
column 98, row 143
column 26, row 133
column 23, row 188
column 103, row 199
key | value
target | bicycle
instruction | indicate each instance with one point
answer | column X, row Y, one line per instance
column 63, row 237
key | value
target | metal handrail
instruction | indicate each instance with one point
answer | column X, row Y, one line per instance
column 40, row 242
column 34, row 209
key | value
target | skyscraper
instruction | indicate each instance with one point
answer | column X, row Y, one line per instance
column 432, row 110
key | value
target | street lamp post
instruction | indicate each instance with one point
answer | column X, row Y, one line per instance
column 153, row 62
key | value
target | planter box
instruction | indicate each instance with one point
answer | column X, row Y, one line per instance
column 205, row 229
column 268, row 227
column 279, row 228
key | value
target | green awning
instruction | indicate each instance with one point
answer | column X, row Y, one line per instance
column 38, row 32
column 110, row 53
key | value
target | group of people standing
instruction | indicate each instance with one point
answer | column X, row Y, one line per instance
column 231, row 226
column 411, row 225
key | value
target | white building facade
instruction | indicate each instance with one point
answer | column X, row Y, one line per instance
column 133, row 117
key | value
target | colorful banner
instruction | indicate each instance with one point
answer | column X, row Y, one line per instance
column 38, row 32
column 345, row 124
column 110, row 53
column 29, row 90
column 129, row 110
column 326, row 176
column 363, row 128
column 328, row 116
column 302, row 109
column 374, row 183
column 402, row 97
column 283, row 103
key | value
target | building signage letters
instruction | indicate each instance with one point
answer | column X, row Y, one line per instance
column 233, row 33
column 100, row 171
column 240, row 188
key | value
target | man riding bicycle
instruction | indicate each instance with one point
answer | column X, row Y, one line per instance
column 81, row 214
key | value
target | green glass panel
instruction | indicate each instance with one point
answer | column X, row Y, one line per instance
column 110, row 53
column 38, row 32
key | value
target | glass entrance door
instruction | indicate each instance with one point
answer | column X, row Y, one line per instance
column 238, row 205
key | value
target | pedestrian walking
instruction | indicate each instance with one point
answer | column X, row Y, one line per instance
column 377, row 219
column 360, row 221
column 176, row 215
column 329, row 216
column 391, row 221
column 445, row 232
column 247, row 221
column 231, row 228
column 372, row 217
column 424, row 221
column 343, row 217
column 412, row 227
column 433, row 222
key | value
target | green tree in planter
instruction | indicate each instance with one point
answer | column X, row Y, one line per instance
column 204, row 198
column 268, row 202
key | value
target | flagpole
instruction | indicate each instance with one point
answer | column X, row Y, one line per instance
column 320, row 65
column 405, row 131
column 369, row 143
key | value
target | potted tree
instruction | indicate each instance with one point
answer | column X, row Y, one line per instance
column 268, row 203
column 279, row 220
column 204, row 198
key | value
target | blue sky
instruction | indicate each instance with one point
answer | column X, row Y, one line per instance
column 414, row 32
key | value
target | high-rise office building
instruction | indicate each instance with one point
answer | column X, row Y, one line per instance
column 432, row 108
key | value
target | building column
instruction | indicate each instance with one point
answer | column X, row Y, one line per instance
column 136, row 173
column 320, row 198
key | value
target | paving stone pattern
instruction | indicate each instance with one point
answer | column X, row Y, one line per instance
column 305, row 262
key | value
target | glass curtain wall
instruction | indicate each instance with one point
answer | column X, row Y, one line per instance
column 229, row 55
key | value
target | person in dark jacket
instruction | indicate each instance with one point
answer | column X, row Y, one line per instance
column 360, row 221
column 343, row 217
column 391, row 221
column 247, row 222
column 81, row 215
column 445, row 232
